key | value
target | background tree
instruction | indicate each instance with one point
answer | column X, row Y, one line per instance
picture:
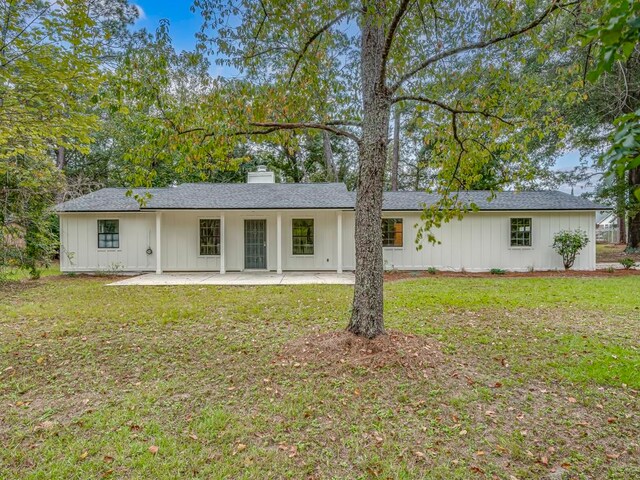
column 50, row 57
column 607, row 120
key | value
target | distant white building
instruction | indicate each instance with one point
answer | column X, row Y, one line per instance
column 263, row 225
column 607, row 227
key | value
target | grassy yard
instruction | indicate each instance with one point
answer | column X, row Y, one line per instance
column 613, row 253
column 529, row 378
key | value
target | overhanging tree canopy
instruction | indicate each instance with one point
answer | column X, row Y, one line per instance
column 462, row 67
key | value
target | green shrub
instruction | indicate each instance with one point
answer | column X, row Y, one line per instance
column 627, row 263
column 568, row 244
column 497, row 271
column 432, row 270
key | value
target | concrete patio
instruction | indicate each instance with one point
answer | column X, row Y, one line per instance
column 240, row 278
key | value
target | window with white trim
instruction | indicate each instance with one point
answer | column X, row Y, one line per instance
column 302, row 236
column 521, row 232
column 209, row 236
column 108, row 233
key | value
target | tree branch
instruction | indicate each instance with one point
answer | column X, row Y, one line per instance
column 313, row 37
column 444, row 106
column 274, row 126
column 393, row 27
column 479, row 45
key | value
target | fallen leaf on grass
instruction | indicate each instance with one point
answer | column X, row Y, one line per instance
column 153, row 449
column 291, row 449
column 46, row 425
column 571, row 400
column 613, row 456
column 544, row 461
column 107, row 459
column 84, row 455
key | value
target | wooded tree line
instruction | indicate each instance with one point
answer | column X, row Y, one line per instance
column 437, row 95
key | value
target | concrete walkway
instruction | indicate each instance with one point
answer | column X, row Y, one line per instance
column 241, row 278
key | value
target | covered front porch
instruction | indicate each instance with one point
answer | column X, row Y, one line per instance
column 240, row 278
column 225, row 241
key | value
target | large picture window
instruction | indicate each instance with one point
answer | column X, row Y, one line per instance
column 520, row 232
column 108, row 234
column 392, row 232
column 209, row 236
column 302, row 236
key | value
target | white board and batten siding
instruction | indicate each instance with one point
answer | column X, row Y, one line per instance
column 479, row 242
column 180, row 241
column 79, row 250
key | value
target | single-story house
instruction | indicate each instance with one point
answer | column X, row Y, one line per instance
column 263, row 225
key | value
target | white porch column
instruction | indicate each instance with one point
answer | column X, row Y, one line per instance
column 279, row 243
column 339, row 239
column 158, row 243
column 222, row 243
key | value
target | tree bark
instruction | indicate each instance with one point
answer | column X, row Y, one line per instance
column 327, row 153
column 367, row 314
column 622, row 229
column 61, row 160
column 633, row 233
column 395, row 161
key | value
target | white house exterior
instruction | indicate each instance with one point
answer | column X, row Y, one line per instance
column 262, row 225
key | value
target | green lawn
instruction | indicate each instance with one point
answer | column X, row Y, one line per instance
column 532, row 375
column 16, row 274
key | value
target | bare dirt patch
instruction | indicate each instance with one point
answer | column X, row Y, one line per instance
column 342, row 348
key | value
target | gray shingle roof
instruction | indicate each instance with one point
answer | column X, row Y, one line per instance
column 525, row 200
column 276, row 196
column 106, row 200
column 253, row 196
column 219, row 196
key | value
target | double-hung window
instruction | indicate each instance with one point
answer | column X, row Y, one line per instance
column 108, row 234
column 392, row 232
column 302, row 236
column 521, row 232
column 209, row 236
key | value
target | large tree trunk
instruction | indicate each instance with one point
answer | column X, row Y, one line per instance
column 367, row 312
column 633, row 234
column 395, row 161
column 327, row 153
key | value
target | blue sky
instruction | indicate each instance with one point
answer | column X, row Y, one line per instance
column 184, row 24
